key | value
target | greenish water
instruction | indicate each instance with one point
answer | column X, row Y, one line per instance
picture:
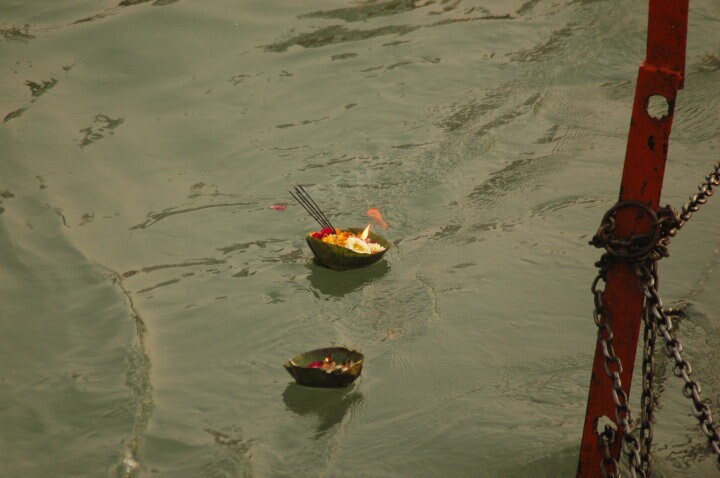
column 149, row 294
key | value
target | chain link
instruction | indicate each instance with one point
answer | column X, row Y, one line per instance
column 647, row 399
column 647, row 275
column 607, row 437
column 705, row 190
column 643, row 252
column 672, row 222
column 613, row 369
column 633, row 248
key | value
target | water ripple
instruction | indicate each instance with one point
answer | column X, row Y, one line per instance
column 234, row 454
column 154, row 217
column 208, row 261
column 709, row 63
column 17, row 34
column 138, row 382
column 367, row 11
column 104, row 126
column 36, row 91
column 335, row 34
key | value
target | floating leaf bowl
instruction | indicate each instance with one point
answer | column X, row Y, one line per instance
column 342, row 258
column 299, row 367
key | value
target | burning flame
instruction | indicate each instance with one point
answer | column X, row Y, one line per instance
column 365, row 233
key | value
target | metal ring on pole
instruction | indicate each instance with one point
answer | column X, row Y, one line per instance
column 636, row 247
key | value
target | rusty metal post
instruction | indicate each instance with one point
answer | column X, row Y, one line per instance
column 661, row 75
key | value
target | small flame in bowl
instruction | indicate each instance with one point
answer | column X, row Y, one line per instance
column 365, row 233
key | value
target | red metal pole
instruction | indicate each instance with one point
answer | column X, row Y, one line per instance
column 662, row 73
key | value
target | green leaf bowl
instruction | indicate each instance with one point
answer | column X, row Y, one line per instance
column 341, row 258
column 299, row 367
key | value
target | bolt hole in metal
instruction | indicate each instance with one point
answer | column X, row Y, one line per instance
column 604, row 422
column 657, row 107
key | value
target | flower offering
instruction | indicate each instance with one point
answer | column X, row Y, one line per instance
column 340, row 249
column 360, row 243
column 327, row 367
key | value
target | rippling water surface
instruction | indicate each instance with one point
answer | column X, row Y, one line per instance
column 149, row 294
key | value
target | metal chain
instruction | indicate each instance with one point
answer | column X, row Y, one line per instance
column 613, row 369
column 647, row 275
column 607, row 437
column 705, row 190
column 644, row 251
column 647, row 399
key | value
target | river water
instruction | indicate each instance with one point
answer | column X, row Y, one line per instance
column 149, row 293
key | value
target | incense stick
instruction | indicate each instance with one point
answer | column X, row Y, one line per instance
column 309, row 209
column 307, row 202
column 312, row 205
column 315, row 214
column 316, row 208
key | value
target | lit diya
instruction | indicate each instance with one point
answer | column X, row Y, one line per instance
column 340, row 248
column 331, row 367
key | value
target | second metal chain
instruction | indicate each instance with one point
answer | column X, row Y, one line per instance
column 647, row 275
column 644, row 252
column 705, row 190
column 647, row 399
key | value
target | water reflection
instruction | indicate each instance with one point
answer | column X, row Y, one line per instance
column 330, row 405
column 339, row 283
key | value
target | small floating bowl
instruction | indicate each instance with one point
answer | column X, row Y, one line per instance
column 298, row 368
column 342, row 258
